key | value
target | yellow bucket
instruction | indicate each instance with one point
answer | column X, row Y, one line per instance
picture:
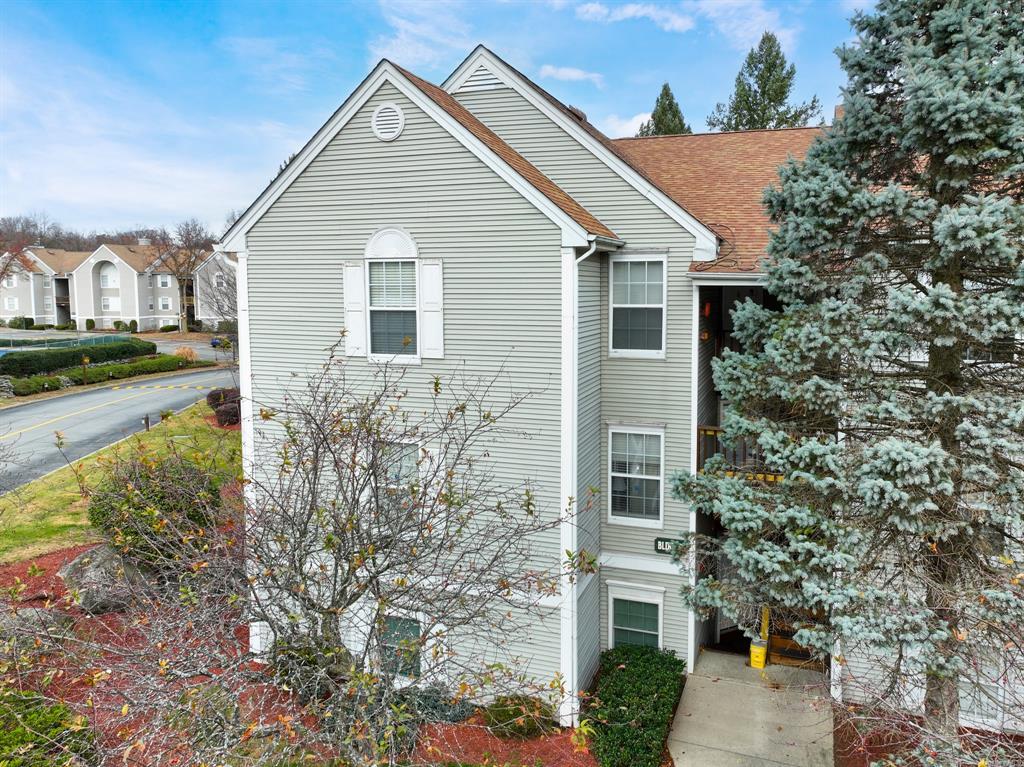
column 758, row 653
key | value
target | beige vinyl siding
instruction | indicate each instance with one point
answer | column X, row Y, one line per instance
column 501, row 262
column 590, row 505
column 674, row 617
column 588, row 629
column 632, row 390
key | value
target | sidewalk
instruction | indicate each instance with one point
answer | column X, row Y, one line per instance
column 732, row 715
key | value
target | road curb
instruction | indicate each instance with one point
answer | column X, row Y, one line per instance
column 119, row 382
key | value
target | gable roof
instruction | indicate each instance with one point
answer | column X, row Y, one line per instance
column 575, row 122
column 721, row 177
column 60, row 261
column 577, row 224
column 138, row 257
column 520, row 164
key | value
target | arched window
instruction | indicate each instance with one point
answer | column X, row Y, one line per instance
column 108, row 275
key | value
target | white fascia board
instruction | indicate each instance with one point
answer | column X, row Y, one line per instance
column 38, row 261
column 736, row 279
column 573, row 235
column 706, row 246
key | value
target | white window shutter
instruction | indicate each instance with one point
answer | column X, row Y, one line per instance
column 355, row 309
column 431, row 309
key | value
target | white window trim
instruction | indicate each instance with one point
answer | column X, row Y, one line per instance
column 219, row 281
column 47, row 303
column 635, row 592
column 392, row 359
column 10, row 281
column 162, row 300
column 652, row 524
column 11, row 303
column 47, row 281
column 164, row 281
column 649, row 354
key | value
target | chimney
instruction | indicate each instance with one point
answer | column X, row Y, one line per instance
column 145, row 241
column 838, row 114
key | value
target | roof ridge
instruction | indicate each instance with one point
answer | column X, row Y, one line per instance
column 724, row 132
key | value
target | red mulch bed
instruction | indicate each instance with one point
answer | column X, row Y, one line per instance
column 212, row 420
column 472, row 743
column 45, row 585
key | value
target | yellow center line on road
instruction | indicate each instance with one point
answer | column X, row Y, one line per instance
column 41, row 424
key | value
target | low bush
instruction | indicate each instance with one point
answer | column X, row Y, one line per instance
column 133, row 326
column 633, row 705
column 308, row 669
column 20, row 323
column 228, row 414
column 47, row 326
column 37, row 733
column 90, row 324
column 119, row 325
column 154, row 509
column 29, row 363
column 168, row 328
column 66, row 326
column 227, row 326
column 217, row 397
column 163, row 363
column 186, row 353
column 519, row 716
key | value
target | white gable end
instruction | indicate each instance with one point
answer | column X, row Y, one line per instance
column 480, row 79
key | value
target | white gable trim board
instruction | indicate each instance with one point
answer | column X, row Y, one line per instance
column 706, row 245
column 573, row 235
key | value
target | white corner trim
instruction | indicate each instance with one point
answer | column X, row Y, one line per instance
column 569, row 705
column 691, row 616
column 706, row 245
column 639, row 563
column 572, row 233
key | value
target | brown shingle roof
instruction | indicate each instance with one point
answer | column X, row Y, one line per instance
column 138, row 257
column 520, row 164
column 720, row 178
column 61, row 261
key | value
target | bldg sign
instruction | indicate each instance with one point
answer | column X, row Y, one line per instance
column 667, row 545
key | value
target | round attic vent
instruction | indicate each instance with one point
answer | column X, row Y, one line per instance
column 387, row 122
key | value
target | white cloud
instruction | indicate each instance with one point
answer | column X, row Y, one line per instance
column 424, row 33
column 742, row 22
column 618, row 127
column 665, row 18
column 278, row 68
column 572, row 75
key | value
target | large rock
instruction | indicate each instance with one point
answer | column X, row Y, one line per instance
column 102, row 581
column 30, row 623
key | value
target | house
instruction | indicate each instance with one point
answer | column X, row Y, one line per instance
column 214, row 286
column 595, row 272
column 114, row 283
column 39, row 286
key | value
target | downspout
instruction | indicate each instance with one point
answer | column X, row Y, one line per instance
column 589, row 253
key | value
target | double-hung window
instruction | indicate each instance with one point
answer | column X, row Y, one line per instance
column 393, row 316
column 110, row 303
column 401, row 646
column 637, row 306
column 219, row 281
column 11, row 281
column 11, row 303
column 636, row 468
column 47, row 303
column 47, row 281
column 636, row 614
column 401, row 464
column 164, row 280
column 165, row 303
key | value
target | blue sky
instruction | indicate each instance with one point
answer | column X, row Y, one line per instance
column 122, row 114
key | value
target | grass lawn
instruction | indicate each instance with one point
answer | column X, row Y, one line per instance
column 50, row 513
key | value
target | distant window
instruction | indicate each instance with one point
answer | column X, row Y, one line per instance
column 47, row 303
column 392, row 307
column 165, row 280
column 636, row 477
column 11, row 281
column 638, row 307
column 401, row 642
column 401, row 463
column 47, row 281
column 219, row 281
column 149, row 280
column 11, row 303
column 165, row 303
column 110, row 303
column 108, row 275
column 151, row 304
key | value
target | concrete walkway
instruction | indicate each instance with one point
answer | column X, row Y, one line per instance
column 732, row 715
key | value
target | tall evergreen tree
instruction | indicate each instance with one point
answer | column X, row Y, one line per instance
column 666, row 118
column 888, row 389
column 761, row 95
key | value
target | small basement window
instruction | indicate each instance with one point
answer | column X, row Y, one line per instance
column 401, row 646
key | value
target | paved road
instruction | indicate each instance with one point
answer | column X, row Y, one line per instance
column 92, row 419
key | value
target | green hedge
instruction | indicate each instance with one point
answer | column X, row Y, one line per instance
column 37, row 733
column 31, row 363
column 633, row 705
column 160, row 364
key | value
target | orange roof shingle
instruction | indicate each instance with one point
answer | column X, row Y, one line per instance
column 61, row 261
column 720, row 178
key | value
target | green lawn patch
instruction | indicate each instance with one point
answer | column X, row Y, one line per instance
column 50, row 513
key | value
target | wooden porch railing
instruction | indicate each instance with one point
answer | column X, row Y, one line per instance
column 742, row 459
